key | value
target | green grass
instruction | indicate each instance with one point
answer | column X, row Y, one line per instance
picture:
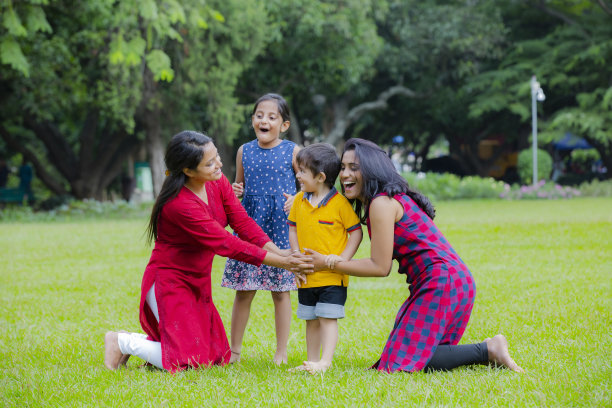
column 543, row 271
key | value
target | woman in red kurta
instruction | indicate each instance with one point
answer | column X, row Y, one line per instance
column 188, row 223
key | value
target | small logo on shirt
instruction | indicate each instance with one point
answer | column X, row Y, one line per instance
column 326, row 222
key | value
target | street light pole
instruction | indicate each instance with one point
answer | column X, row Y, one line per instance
column 537, row 94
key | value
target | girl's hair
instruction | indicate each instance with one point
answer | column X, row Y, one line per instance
column 320, row 158
column 283, row 107
column 379, row 176
column 185, row 150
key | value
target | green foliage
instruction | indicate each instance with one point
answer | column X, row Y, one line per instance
column 74, row 210
column 541, row 191
column 596, row 188
column 525, row 165
column 452, row 187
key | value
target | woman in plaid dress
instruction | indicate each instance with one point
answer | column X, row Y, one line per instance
column 432, row 320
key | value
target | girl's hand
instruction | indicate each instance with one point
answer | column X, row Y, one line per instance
column 288, row 202
column 331, row 259
column 238, row 189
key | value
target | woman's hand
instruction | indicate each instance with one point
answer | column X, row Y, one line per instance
column 313, row 261
column 331, row 259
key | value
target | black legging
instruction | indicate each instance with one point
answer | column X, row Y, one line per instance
column 447, row 357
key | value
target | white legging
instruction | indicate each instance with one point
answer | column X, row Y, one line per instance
column 137, row 344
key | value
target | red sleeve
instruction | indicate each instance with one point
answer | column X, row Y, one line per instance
column 237, row 217
column 193, row 218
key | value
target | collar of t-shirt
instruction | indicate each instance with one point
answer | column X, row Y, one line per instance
column 325, row 200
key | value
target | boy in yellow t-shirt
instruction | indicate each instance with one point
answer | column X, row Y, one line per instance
column 322, row 219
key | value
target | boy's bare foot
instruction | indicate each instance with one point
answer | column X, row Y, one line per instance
column 235, row 357
column 112, row 353
column 498, row 353
column 280, row 358
column 316, row 367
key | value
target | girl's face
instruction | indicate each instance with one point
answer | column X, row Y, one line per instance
column 350, row 176
column 209, row 168
column 268, row 124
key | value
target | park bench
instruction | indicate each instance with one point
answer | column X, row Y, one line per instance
column 11, row 195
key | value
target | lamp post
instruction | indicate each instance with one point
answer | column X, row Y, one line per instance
column 537, row 95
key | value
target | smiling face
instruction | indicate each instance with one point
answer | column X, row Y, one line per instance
column 209, row 168
column 268, row 124
column 309, row 182
column 350, row 176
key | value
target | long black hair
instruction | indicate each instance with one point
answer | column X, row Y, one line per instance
column 283, row 107
column 185, row 150
column 379, row 176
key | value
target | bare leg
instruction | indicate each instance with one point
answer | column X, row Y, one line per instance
column 240, row 318
column 112, row 353
column 329, row 340
column 313, row 343
column 282, row 318
column 498, row 353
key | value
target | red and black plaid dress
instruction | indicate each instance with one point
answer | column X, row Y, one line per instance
column 441, row 297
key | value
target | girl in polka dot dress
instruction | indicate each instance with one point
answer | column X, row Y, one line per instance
column 265, row 178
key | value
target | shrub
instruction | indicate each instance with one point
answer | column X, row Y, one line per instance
column 525, row 165
column 596, row 188
column 452, row 187
column 541, row 191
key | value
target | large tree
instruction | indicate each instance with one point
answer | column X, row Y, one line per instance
column 86, row 84
column 568, row 46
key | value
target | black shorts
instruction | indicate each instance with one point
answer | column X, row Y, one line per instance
column 324, row 301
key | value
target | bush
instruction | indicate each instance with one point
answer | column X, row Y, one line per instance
column 541, row 191
column 525, row 165
column 452, row 187
column 596, row 188
column 74, row 209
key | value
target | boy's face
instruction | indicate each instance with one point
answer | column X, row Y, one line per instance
column 309, row 182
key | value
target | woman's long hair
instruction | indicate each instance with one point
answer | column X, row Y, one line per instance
column 380, row 176
column 185, row 151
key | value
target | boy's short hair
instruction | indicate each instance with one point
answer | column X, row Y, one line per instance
column 320, row 158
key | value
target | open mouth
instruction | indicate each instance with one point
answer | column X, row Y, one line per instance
column 348, row 185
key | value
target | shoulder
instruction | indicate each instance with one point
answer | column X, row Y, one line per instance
column 382, row 204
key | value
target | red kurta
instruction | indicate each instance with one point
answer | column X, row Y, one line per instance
column 189, row 234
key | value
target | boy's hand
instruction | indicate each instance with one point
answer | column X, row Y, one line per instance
column 331, row 259
column 238, row 189
column 288, row 202
column 299, row 278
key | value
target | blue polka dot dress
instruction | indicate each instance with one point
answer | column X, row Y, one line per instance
column 268, row 173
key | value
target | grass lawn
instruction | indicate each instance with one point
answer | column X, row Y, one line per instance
column 543, row 270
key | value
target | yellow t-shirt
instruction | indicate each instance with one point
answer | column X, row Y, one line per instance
column 325, row 229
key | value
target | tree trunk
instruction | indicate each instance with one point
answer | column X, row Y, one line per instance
column 148, row 115
column 341, row 117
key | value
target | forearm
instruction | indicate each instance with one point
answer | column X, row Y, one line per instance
column 271, row 247
column 362, row 267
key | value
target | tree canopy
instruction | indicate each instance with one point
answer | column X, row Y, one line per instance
column 85, row 85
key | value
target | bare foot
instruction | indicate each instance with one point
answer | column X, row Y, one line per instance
column 280, row 358
column 298, row 368
column 498, row 353
column 112, row 353
column 125, row 357
column 316, row 367
column 235, row 357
